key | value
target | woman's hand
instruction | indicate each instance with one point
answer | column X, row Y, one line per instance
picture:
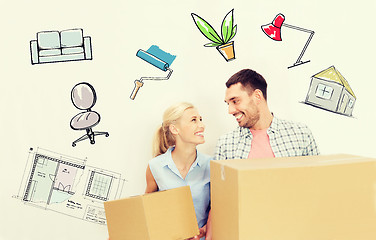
column 205, row 231
column 209, row 231
column 202, row 234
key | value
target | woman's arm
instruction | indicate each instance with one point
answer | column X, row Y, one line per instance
column 151, row 184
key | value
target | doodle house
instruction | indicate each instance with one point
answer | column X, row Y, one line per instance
column 329, row 90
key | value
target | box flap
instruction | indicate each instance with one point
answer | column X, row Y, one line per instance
column 291, row 162
column 120, row 225
column 170, row 214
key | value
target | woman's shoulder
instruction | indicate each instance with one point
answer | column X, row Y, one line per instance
column 160, row 159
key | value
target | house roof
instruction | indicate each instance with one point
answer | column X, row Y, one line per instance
column 332, row 74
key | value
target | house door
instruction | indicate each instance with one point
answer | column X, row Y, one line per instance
column 344, row 102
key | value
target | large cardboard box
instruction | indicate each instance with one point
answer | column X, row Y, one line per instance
column 301, row 198
column 161, row 215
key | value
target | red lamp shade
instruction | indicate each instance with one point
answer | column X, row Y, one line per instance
column 273, row 30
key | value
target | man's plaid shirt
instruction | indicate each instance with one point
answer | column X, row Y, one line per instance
column 287, row 139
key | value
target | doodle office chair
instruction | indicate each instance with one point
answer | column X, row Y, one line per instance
column 84, row 97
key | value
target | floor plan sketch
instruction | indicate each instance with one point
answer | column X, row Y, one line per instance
column 68, row 185
column 99, row 185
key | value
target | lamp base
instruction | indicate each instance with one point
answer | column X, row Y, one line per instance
column 298, row 63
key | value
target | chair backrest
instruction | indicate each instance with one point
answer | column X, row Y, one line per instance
column 83, row 96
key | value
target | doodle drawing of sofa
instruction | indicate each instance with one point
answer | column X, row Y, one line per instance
column 55, row 46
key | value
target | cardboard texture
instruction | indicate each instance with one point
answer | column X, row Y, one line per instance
column 161, row 215
column 311, row 198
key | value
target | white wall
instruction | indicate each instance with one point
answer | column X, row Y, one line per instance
column 35, row 99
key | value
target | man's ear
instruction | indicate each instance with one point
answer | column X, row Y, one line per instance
column 258, row 95
column 173, row 129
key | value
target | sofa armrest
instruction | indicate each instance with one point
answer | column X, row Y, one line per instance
column 87, row 48
column 34, row 52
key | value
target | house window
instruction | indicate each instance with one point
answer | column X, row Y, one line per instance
column 324, row 91
column 351, row 103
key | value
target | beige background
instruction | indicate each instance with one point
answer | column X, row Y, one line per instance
column 35, row 99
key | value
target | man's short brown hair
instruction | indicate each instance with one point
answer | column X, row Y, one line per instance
column 250, row 80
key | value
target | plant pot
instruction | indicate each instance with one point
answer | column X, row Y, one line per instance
column 227, row 51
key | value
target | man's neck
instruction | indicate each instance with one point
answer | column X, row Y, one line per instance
column 264, row 122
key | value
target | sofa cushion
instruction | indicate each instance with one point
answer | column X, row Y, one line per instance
column 49, row 52
column 72, row 50
column 62, row 58
column 71, row 38
column 48, row 39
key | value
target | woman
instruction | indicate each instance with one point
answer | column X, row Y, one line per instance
column 177, row 163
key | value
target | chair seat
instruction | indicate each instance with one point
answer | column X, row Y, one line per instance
column 85, row 120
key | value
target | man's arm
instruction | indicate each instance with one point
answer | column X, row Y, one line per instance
column 219, row 152
column 312, row 148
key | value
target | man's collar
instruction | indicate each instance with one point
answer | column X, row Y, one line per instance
column 274, row 125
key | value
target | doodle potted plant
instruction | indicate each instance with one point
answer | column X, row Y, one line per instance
column 222, row 43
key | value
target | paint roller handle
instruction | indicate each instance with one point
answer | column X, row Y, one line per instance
column 137, row 85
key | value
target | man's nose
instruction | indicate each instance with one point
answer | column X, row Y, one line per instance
column 231, row 109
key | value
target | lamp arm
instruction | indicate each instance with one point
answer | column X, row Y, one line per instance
column 305, row 47
column 297, row 28
column 298, row 61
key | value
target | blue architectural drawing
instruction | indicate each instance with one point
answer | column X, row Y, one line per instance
column 67, row 185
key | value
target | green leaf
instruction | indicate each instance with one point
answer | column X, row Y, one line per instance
column 227, row 26
column 206, row 29
column 212, row 44
column 233, row 32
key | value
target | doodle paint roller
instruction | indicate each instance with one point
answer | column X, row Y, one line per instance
column 153, row 56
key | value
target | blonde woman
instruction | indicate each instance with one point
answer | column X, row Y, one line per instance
column 177, row 163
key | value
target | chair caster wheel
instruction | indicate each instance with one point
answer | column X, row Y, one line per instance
column 73, row 144
column 107, row 135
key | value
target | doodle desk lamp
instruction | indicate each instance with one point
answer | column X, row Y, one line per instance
column 83, row 97
column 150, row 57
column 273, row 31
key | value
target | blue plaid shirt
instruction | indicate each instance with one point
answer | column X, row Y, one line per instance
column 287, row 139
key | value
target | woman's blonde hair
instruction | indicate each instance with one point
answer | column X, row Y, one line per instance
column 163, row 138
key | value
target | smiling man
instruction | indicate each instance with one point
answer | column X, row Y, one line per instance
column 260, row 134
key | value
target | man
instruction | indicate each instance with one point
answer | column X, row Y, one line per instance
column 260, row 134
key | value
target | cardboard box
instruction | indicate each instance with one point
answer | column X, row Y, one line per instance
column 300, row 198
column 160, row 215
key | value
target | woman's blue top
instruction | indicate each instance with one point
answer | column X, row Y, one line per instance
column 168, row 176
